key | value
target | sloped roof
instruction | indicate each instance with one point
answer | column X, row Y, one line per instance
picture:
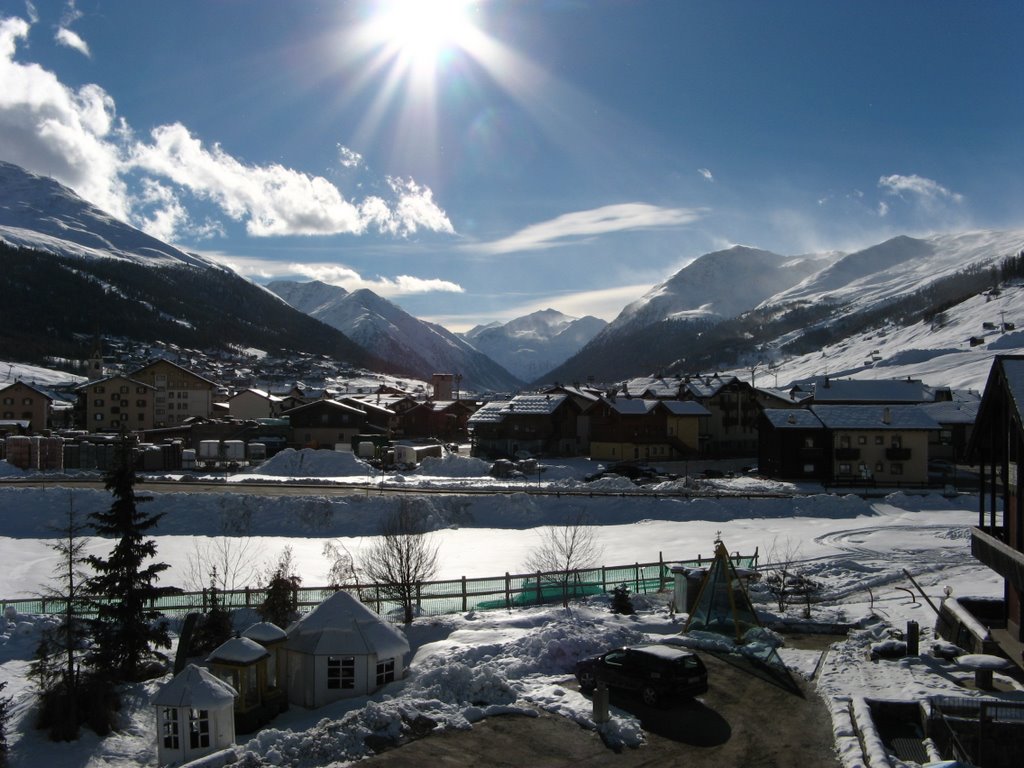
column 535, row 405
column 792, row 418
column 341, row 625
column 1013, row 370
column 952, row 411
column 265, row 632
column 873, row 391
column 655, row 386
column 320, row 404
column 685, row 408
column 708, row 386
column 196, row 688
column 238, row 650
column 631, row 406
column 874, row 417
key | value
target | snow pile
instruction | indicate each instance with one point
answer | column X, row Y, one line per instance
column 310, row 462
column 9, row 470
column 454, row 465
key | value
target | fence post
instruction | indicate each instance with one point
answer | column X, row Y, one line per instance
column 636, row 579
column 464, row 594
column 661, row 572
column 508, row 592
column 604, row 579
column 540, row 596
column 247, row 598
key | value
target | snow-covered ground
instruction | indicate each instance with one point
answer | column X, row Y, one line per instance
column 469, row 666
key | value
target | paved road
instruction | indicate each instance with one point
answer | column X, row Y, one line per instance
column 743, row 720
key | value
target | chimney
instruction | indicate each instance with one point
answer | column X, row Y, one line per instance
column 886, row 416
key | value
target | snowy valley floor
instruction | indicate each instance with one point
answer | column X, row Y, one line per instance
column 468, row 667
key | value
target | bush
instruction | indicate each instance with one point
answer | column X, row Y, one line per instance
column 621, row 601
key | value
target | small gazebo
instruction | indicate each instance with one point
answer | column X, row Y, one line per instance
column 342, row 649
column 275, row 673
column 241, row 663
column 194, row 716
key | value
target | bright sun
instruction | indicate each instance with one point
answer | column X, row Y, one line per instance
column 419, row 31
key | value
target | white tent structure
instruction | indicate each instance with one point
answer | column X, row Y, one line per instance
column 194, row 716
column 342, row 649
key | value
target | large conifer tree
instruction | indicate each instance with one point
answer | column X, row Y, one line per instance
column 127, row 630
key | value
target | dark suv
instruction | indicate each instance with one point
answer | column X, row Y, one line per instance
column 658, row 673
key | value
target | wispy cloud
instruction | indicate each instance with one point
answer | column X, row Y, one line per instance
column 918, row 187
column 332, row 274
column 706, row 174
column 71, row 39
column 580, row 225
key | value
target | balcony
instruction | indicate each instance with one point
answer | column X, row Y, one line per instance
column 999, row 556
column 847, row 454
column 897, row 454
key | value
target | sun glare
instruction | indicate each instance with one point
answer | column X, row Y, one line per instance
column 419, row 31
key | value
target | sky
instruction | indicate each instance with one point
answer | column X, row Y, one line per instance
column 477, row 161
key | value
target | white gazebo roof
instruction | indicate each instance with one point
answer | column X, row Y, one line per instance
column 341, row 625
column 196, row 688
column 238, row 650
column 265, row 632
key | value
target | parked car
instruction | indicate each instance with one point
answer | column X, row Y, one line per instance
column 658, row 673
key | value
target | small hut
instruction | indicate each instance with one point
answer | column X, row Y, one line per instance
column 193, row 716
column 273, row 638
column 240, row 662
column 342, row 649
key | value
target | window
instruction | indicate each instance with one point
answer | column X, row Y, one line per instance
column 142, row 418
column 169, row 732
column 341, row 672
column 26, row 401
column 879, row 467
column 124, row 390
column 808, row 469
column 844, row 469
column 862, row 440
column 198, row 728
column 844, row 441
column 115, row 409
column 385, row 671
column 895, row 469
column 897, row 441
column 98, row 417
column 140, row 403
column 808, row 442
column 879, row 440
column 100, row 390
column 98, row 402
column 8, row 401
column 8, row 414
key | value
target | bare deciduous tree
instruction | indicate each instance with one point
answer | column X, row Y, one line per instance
column 402, row 557
column 222, row 562
column 565, row 549
column 343, row 571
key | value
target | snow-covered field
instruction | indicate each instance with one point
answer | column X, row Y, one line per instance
column 857, row 548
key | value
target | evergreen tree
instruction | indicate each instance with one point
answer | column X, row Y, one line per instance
column 621, row 601
column 126, row 630
column 216, row 626
column 281, row 605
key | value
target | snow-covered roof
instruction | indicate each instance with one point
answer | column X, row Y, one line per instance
column 489, row 413
column 708, row 386
column 872, row 391
column 538, row 405
column 952, row 411
column 264, row 632
column 1013, row 369
column 343, row 625
column 874, row 417
column 685, row 408
column 657, row 387
column 335, row 404
column 792, row 418
column 238, row 650
column 196, row 688
column 632, row 406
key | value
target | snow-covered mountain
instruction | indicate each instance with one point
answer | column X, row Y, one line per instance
column 532, row 345
column 69, row 271
column 390, row 333
column 734, row 309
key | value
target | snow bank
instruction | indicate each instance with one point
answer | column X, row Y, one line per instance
column 310, row 462
column 453, row 465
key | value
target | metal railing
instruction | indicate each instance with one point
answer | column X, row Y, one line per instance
column 435, row 598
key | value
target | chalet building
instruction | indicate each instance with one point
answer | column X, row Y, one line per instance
column 956, row 417
column 734, row 412
column 541, row 425
column 117, row 403
column 381, row 416
column 886, row 444
column 635, row 429
column 793, row 444
column 997, row 446
column 26, row 403
column 325, row 424
column 180, row 394
column 255, row 404
column 447, row 420
column 585, row 398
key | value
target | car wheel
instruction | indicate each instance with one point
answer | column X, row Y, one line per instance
column 587, row 680
column 649, row 695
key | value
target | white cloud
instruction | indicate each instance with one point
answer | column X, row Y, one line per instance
column 275, row 200
column 71, row 39
column 58, row 131
column 706, row 174
column 578, row 225
column 883, row 208
column 333, row 274
column 159, row 212
column 349, row 158
column 917, row 186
